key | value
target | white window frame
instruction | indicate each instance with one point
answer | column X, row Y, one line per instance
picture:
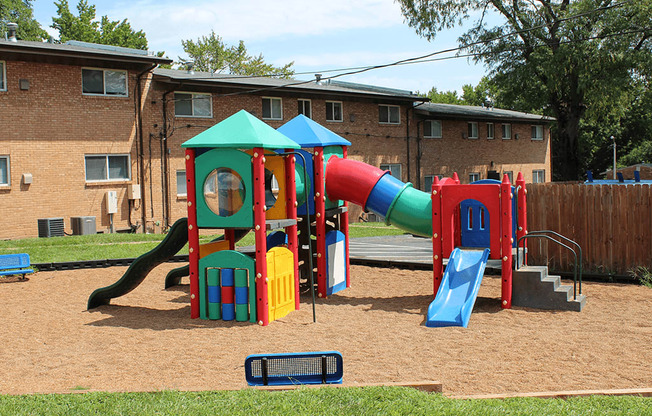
column 104, row 94
column 106, row 157
column 3, row 76
column 473, row 175
column 185, row 183
column 538, row 175
column 271, row 108
column 303, row 102
column 471, row 126
column 192, row 104
column 387, row 108
column 333, row 119
column 430, row 134
column 502, row 131
column 493, row 131
column 8, row 183
column 536, row 129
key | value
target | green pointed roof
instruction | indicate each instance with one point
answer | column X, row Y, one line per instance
column 241, row 131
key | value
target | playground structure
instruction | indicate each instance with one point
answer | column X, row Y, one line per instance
column 295, row 183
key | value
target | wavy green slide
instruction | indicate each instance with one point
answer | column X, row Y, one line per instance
column 176, row 238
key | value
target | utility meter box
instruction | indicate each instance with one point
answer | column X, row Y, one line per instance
column 133, row 191
column 112, row 202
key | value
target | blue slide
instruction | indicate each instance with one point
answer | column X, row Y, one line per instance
column 458, row 290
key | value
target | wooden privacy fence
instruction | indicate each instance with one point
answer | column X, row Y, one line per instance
column 610, row 222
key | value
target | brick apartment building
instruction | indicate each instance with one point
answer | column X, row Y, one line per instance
column 80, row 121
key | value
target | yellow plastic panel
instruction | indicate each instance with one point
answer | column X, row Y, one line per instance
column 212, row 247
column 280, row 288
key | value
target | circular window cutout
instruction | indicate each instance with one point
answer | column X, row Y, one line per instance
column 272, row 189
column 224, row 191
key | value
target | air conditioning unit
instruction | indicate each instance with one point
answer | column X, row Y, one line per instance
column 50, row 227
column 83, row 225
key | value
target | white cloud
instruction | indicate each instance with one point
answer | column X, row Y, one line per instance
column 252, row 20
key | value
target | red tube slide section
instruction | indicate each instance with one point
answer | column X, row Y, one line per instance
column 351, row 180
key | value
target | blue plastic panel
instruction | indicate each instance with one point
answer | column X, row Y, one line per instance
column 335, row 261
column 475, row 230
column 322, row 367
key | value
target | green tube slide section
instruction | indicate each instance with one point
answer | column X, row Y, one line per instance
column 411, row 210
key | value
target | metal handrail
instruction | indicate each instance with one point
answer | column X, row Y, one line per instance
column 580, row 274
column 535, row 235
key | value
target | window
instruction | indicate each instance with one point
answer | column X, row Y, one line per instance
column 507, row 131
column 393, row 168
column 537, row 132
column 389, row 114
column 510, row 175
column 3, row 77
column 474, row 176
column 182, row 189
column 428, row 180
column 490, row 131
column 4, row 171
column 432, row 129
column 272, row 108
column 107, row 168
column 472, row 130
column 104, row 82
column 538, row 176
column 191, row 104
column 334, row 111
column 305, row 107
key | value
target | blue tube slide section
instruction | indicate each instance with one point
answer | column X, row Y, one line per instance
column 458, row 289
column 401, row 205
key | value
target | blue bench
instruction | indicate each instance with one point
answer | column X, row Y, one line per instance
column 11, row 264
column 294, row 368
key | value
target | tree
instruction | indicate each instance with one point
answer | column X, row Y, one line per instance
column 444, row 97
column 564, row 58
column 22, row 13
column 84, row 27
column 211, row 54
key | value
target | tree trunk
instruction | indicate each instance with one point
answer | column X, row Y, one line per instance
column 566, row 160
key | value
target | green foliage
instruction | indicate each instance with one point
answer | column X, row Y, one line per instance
column 643, row 275
column 444, row 97
column 304, row 401
column 22, row 13
column 577, row 61
column 211, row 54
column 86, row 28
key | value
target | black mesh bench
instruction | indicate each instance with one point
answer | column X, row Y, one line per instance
column 323, row 367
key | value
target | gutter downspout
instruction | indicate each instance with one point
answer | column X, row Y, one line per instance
column 419, row 154
column 165, row 164
column 407, row 140
column 141, row 153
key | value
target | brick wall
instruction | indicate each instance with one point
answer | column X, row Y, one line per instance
column 46, row 131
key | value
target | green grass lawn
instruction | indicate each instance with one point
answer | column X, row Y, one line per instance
column 117, row 246
column 325, row 401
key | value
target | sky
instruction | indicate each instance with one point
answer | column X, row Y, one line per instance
column 316, row 35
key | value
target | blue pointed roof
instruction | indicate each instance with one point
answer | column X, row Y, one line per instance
column 241, row 131
column 308, row 133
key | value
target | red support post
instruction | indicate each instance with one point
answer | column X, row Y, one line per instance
column 320, row 221
column 437, row 250
column 262, row 303
column 291, row 213
column 506, row 241
column 344, row 227
column 522, row 213
column 229, row 235
column 193, row 233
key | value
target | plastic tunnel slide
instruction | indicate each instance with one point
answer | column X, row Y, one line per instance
column 376, row 190
column 176, row 238
column 458, row 290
